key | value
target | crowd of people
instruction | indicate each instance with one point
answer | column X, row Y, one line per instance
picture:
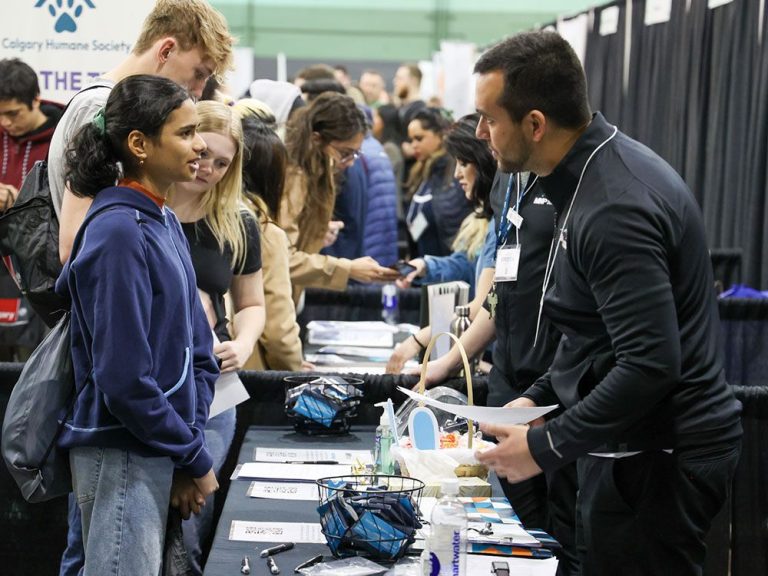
column 191, row 220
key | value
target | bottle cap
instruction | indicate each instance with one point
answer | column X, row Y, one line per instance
column 461, row 310
column 450, row 487
column 383, row 419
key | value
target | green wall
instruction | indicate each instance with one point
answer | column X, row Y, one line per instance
column 380, row 30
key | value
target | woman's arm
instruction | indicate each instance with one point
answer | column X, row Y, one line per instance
column 247, row 293
column 73, row 211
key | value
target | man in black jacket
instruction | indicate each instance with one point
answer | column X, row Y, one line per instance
column 648, row 416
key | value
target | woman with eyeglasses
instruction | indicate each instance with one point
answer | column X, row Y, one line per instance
column 322, row 139
column 437, row 205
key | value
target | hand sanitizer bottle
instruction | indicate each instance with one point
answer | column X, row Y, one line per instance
column 381, row 452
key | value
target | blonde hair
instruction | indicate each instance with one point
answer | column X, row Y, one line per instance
column 223, row 203
column 471, row 235
column 194, row 24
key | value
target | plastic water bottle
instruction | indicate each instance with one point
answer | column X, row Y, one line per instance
column 389, row 304
column 447, row 543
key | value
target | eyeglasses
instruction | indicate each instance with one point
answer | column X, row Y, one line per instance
column 347, row 155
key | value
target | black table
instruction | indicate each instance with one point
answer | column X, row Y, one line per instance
column 226, row 555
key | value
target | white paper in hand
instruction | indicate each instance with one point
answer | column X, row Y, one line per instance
column 229, row 392
column 483, row 413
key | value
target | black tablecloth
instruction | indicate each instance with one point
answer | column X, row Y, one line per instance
column 226, row 555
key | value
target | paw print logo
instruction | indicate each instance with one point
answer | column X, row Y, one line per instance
column 65, row 12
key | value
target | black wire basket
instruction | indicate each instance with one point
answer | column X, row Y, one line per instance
column 369, row 515
column 320, row 404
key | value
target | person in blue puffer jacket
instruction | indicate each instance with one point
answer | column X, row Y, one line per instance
column 367, row 204
column 142, row 355
column 380, row 238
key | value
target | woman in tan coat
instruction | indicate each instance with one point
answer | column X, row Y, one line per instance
column 264, row 167
column 322, row 139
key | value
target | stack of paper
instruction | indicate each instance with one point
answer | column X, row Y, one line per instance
column 337, row 333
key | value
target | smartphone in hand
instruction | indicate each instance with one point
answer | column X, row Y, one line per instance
column 403, row 268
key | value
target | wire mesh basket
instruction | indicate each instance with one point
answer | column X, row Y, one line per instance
column 369, row 515
column 322, row 405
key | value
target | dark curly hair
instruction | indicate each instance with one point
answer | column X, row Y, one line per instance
column 142, row 102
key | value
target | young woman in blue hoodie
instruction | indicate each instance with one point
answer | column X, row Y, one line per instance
column 141, row 345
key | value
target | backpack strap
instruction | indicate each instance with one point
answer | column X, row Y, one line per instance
column 86, row 89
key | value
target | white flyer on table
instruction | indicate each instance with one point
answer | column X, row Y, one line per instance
column 298, row 532
column 291, row 472
column 490, row 415
column 283, row 490
column 311, row 455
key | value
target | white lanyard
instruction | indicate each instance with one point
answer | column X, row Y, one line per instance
column 559, row 237
column 520, row 199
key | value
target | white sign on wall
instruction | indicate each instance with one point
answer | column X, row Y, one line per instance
column 70, row 42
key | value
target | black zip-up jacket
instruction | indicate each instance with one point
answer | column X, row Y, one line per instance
column 639, row 364
column 516, row 362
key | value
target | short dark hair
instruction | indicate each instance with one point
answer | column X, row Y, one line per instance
column 18, row 81
column 461, row 143
column 142, row 102
column 316, row 72
column 438, row 120
column 313, row 88
column 414, row 71
column 541, row 72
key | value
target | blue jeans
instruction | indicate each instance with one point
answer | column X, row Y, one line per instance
column 73, row 559
column 123, row 500
column 219, row 433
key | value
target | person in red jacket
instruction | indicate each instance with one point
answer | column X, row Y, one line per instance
column 26, row 126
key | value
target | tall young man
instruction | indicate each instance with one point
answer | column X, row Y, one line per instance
column 648, row 416
column 186, row 41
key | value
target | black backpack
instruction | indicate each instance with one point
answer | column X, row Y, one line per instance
column 29, row 242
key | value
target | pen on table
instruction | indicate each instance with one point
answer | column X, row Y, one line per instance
column 272, row 565
column 245, row 567
column 311, row 562
column 276, row 549
column 311, row 462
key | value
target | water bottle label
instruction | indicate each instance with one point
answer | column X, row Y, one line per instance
column 446, row 554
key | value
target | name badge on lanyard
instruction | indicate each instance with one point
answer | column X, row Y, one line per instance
column 418, row 226
column 507, row 263
column 514, row 217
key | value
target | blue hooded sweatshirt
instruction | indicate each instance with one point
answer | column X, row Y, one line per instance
column 141, row 345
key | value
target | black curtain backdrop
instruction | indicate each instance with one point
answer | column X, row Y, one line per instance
column 698, row 96
column 604, row 65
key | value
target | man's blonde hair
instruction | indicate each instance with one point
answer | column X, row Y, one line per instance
column 194, row 24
